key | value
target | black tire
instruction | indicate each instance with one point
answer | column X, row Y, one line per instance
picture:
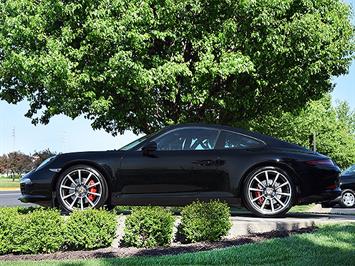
column 345, row 203
column 84, row 169
column 254, row 207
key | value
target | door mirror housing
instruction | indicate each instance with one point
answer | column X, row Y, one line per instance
column 149, row 148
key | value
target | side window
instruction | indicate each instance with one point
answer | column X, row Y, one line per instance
column 188, row 139
column 349, row 171
column 230, row 140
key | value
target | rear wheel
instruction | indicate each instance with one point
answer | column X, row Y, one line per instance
column 268, row 192
column 81, row 187
column 347, row 199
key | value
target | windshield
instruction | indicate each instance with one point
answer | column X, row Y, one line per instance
column 134, row 143
column 349, row 171
column 45, row 162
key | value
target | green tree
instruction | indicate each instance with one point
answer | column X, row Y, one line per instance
column 40, row 156
column 334, row 128
column 17, row 163
column 142, row 64
column 346, row 115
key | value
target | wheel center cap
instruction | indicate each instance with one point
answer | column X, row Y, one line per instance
column 269, row 190
column 81, row 190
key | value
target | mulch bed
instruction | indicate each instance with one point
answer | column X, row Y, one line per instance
column 175, row 248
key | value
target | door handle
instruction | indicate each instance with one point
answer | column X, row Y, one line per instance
column 204, row 162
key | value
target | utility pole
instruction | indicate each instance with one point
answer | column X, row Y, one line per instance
column 13, row 138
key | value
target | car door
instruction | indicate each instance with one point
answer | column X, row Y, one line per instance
column 184, row 163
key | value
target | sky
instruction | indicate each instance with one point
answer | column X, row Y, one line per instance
column 63, row 134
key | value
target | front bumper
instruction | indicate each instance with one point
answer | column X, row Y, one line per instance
column 36, row 188
column 37, row 199
column 323, row 196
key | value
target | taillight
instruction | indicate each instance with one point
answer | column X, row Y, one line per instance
column 325, row 162
column 333, row 186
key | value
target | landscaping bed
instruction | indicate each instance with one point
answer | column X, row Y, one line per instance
column 328, row 245
column 147, row 233
column 175, row 248
column 41, row 230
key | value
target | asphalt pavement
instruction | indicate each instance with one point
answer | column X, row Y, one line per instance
column 10, row 198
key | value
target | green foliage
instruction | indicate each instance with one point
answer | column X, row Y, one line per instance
column 148, row 227
column 90, row 229
column 7, row 219
column 205, row 221
column 142, row 64
column 119, row 209
column 334, row 128
column 39, row 231
column 331, row 244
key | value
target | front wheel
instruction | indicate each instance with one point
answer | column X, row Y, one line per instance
column 81, row 187
column 268, row 192
column 347, row 199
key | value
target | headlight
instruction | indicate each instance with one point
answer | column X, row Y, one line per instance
column 26, row 181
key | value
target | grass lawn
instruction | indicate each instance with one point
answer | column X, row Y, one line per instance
column 8, row 183
column 329, row 245
column 302, row 208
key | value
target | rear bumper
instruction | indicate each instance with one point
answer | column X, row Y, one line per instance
column 323, row 196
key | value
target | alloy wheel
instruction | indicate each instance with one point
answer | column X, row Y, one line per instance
column 269, row 192
column 81, row 189
column 348, row 199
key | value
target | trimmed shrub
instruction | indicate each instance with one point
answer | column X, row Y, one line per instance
column 40, row 231
column 90, row 229
column 148, row 227
column 119, row 209
column 205, row 221
column 7, row 220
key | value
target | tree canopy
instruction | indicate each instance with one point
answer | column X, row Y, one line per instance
column 142, row 64
column 16, row 163
column 334, row 128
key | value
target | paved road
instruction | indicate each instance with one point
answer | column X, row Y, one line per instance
column 10, row 198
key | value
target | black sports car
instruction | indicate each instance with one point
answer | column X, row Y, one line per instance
column 183, row 163
column 347, row 185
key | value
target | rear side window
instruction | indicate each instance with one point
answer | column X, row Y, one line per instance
column 231, row 140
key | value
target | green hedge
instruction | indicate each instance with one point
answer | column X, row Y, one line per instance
column 148, row 227
column 40, row 231
column 90, row 229
column 205, row 221
column 8, row 216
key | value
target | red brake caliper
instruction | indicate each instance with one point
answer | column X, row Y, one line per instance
column 93, row 190
column 258, row 194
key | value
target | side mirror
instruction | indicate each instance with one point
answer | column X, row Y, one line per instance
column 149, row 148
